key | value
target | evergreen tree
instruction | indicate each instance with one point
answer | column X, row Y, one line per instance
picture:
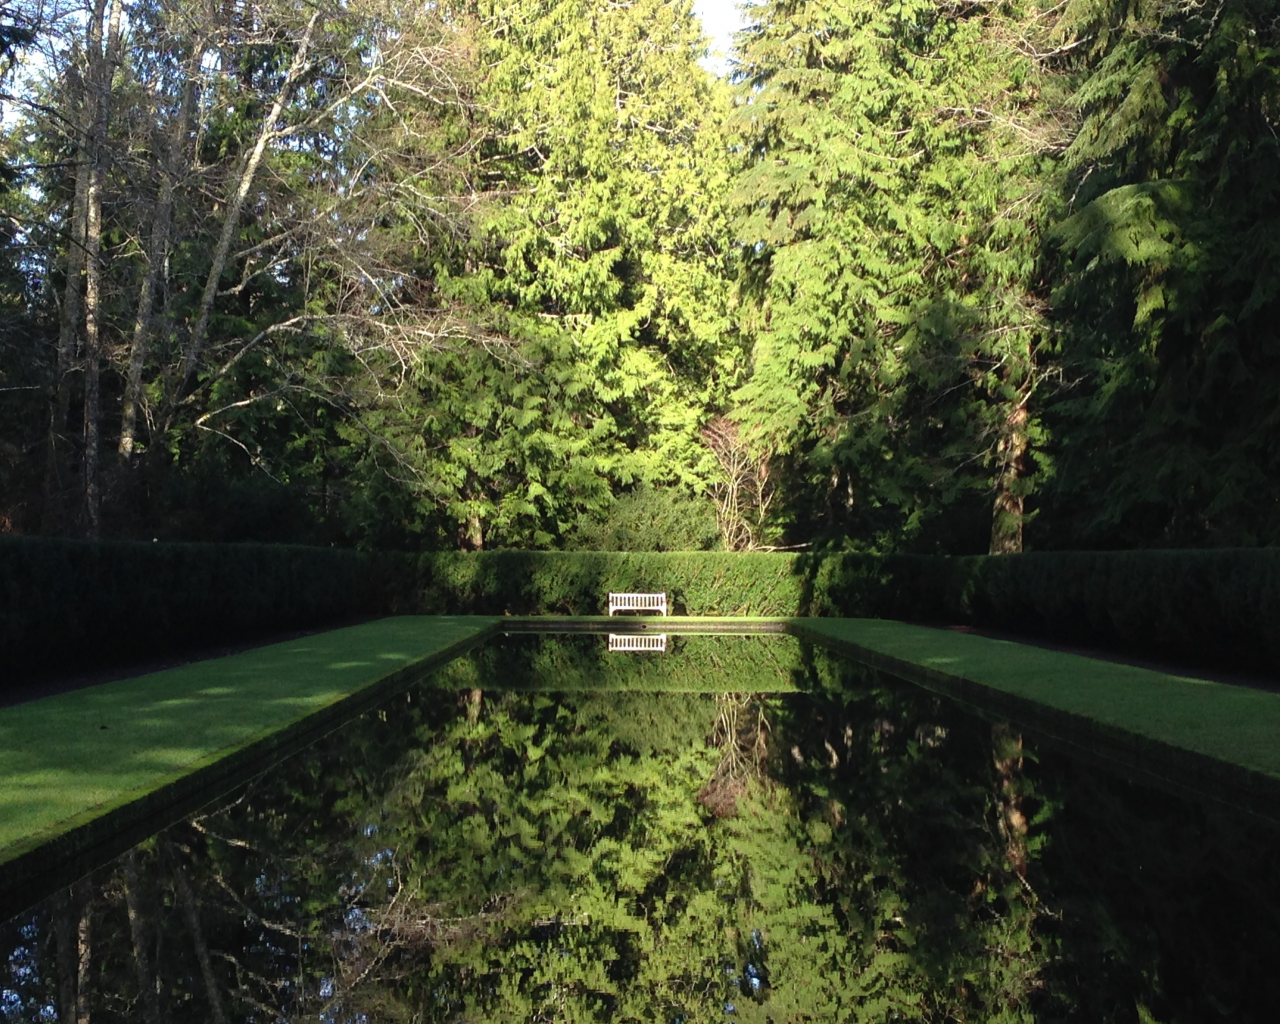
column 888, row 212
column 595, row 283
column 1168, row 283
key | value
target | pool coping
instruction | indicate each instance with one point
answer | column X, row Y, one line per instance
column 1139, row 756
column 1142, row 758
column 71, row 847
column 58, row 854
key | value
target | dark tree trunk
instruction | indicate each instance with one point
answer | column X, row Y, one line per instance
column 191, row 911
column 1011, row 467
column 64, row 928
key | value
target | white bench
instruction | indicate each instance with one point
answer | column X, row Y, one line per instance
column 638, row 642
column 638, row 603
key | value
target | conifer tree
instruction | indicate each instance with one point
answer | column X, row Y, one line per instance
column 888, row 209
column 1168, row 281
column 595, row 282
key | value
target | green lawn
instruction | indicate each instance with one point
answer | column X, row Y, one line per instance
column 67, row 759
column 1231, row 724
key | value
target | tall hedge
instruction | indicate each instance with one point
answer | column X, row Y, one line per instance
column 65, row 603
column 1214, row 607
column 1209, row 607
column 74, row 602
column 579, row 582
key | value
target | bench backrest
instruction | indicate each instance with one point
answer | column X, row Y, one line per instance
column 638, row 603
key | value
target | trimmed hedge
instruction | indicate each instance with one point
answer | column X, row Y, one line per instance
column 579, row 582
column 1213, row 607
column 65, row 603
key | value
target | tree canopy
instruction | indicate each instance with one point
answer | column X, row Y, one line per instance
column 934, row 276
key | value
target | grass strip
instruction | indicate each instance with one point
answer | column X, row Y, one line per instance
column 1200, row 734
column 69, row 759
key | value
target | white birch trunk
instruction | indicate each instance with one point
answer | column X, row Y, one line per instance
column 157, row 257
column 84, row 963
column 235, row 205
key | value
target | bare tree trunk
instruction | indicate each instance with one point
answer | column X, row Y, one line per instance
column 64, row 927
column 191, row 911
column 102, row 69
column 142, row 325
column 73, row 290
column 1007, row 512
column 475, row 533
column 231, row 223
column 157, row 257
column 138, row 933
column 744, row 492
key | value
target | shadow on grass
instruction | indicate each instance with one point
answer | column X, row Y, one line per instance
column 65, row 755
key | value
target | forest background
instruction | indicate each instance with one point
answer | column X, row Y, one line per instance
column 913, row 275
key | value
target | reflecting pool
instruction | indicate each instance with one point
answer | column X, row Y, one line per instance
column 736, row 829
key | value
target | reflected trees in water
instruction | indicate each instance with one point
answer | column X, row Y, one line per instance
column 862, row 850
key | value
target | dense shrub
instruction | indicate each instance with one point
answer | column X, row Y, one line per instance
column 651, row 519
column 1209, row 607
column 66, row 602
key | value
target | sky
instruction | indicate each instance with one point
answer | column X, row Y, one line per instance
column 720, row 20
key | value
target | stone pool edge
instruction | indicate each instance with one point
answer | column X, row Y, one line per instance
column 1116, row 747
column 67, row 849
column 60, row 853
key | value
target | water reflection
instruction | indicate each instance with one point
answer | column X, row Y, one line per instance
column 483, row 851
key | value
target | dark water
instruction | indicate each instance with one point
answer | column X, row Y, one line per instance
column 548, row 832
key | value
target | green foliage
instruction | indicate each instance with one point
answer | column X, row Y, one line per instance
column 1214, row 608
column 505, row 856
column 594, row 280
column 582, row 662
column 652, row 519
column 579, row 582
column 67, row 601
column 508, row 856
column 655, row 907
column 931, row 273
column 888, row 206
column 1211, row 608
